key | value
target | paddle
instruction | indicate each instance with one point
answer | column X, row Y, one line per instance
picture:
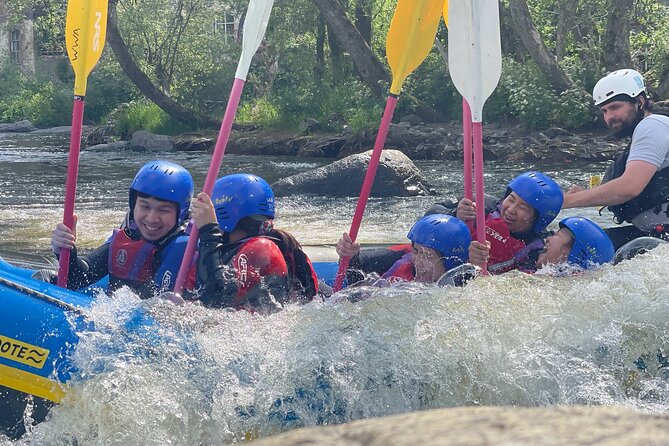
column 255, row 24
column 410, row 39
column 475, row 62
column 466, row 134
column 85, row 31
column 467, row 148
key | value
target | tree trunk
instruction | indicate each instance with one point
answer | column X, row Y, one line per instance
column 363, row 20
column 662, row 90
column 565, row 20
column 337, row 58
column 534, row 45
column 369, row 67
column 142, row 81
column 319, row 67
column 616, row 46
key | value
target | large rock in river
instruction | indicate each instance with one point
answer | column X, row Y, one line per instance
column 397, row 175
column 479, row 426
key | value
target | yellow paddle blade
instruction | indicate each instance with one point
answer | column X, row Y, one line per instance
column 446, row 12
column 411, row 36
column 85, row 33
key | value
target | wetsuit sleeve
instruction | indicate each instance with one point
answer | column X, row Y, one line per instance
column 449, row 207
column 88, row 269
column 374, row 260
column 219, row 286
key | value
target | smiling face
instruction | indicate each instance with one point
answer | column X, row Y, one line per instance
column 428, row 262
column 517, row 213
column 155, row 218
column 622, row 117
column 556, row 249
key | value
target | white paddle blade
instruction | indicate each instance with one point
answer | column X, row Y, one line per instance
column 255, row 25
column 474, row 50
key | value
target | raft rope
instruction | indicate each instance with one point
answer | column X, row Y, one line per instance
column 40, row 295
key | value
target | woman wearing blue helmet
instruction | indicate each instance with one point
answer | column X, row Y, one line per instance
column 243, row 261
column 516, row 225
column 146, row 252
column 438, row 245
column 579, row 243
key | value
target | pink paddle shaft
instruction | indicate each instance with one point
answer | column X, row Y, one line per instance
column 367, row 185
column 71, row 184
column 478, row 176
column 214, row 167
column 467, row 146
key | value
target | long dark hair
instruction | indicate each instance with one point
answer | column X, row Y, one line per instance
column 254, row 226
column 302, row 277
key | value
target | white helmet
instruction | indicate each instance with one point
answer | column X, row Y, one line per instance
column 627, row 81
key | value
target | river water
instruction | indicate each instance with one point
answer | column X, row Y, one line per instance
column 212, row 377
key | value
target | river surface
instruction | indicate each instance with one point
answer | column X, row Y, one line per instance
column 211, row 377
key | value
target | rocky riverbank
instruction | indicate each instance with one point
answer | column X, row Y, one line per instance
column 433, row 141
column 417, row 140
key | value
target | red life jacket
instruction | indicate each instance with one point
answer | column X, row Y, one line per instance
column 145, row 267
column 130, row 260
column 259, row 257
column 402, row 269
column 504, row 248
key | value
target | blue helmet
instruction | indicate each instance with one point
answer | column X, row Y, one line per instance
column 241, row 195
column 591, row 244
column 166, row 181
column 542, row 193
column 443, row 233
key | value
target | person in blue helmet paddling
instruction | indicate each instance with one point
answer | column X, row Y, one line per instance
column 516, row 225
column 579, row 243
column 635, row 187
column 146, row 252
column 438, row 245
column 244, row 263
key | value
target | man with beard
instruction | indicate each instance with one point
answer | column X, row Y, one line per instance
column 636, row 186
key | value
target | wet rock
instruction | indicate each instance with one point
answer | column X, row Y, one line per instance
column 309, row 126
column 488, row 426
column 150, row 142
column 337, row 122
column 398, row 136
column 18, row 127
column 109, row 147
column 412, row 119
column 60, row 131
column 101, row 134
column 396, row 176
column 193, row 142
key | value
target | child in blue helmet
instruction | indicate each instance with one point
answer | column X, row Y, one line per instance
column 516, row 225
column 243, row 261
column 579, row 243
column 438, row 245
column 146, row 252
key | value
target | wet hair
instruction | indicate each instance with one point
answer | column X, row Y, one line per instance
column 261, row 225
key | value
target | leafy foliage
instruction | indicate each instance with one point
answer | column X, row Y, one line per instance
column 43, row 103
column 144, row 115
column 301, row 71
column 534, row 103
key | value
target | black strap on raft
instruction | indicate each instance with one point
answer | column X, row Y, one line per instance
column 39, row 295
